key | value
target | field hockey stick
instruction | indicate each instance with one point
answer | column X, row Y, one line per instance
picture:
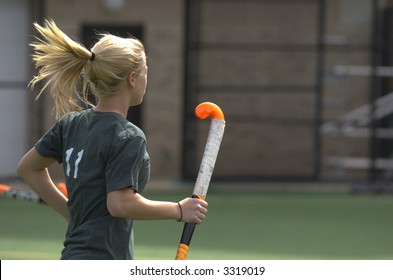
column 10, row 192
column 216, row 132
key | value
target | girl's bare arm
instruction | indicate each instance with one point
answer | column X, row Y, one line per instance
column 33, row 169
column 126, row 203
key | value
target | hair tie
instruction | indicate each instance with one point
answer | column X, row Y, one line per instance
column 181, row 212
column 93, row 56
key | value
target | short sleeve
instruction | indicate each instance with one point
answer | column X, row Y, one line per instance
column 126, row 160
column 50, row 145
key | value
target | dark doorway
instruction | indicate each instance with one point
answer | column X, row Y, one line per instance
column 89, row 36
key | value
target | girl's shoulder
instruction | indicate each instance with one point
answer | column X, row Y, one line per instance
column 127, row 129
column 118, row 126
column 108, row 125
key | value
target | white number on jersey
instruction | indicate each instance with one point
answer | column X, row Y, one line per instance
column 69, row 153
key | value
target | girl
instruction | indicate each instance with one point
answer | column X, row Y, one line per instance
column 104, row 156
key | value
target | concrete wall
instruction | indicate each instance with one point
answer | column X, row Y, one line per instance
column 264, row 149
column 14, row 72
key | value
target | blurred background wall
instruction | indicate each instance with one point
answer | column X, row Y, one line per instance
column 304, row 84
column 14, row 72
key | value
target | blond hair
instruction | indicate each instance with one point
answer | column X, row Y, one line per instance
column 62, row 63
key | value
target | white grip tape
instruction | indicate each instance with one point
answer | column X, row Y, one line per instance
column 209, row 157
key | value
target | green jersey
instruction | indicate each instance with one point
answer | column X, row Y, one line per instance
column 100, row 152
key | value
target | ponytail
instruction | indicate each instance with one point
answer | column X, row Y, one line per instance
column 60, row 61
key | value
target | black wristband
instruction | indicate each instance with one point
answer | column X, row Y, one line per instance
column 181, row 212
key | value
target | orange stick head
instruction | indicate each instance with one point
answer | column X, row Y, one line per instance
column 209, row 109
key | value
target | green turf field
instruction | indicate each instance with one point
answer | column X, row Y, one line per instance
column 239, row 226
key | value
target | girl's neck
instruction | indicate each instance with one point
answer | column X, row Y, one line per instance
column 113, row 103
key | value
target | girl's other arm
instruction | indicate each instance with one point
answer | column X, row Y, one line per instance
column 126, row 203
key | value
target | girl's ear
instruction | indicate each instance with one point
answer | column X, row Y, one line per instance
column 131, row 79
